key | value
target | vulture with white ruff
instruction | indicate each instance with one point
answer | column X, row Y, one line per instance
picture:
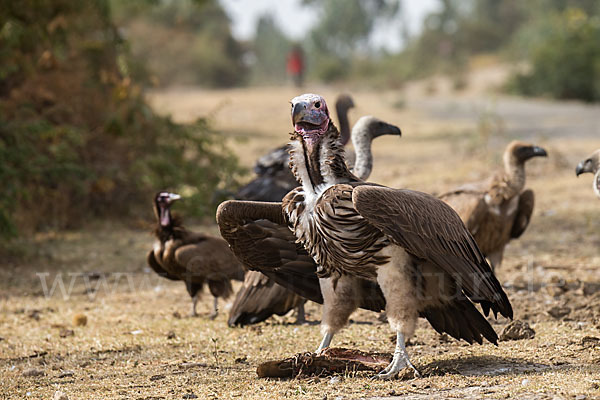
column 274, row 178
column 591, row 165
column 195, row 258
column 498, row 209
column 260, row 297
column 410, row 243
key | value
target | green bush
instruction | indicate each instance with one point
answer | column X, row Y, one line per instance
column 77, row 139
column 564, row 56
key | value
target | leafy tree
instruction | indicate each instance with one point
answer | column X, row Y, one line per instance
column 343, row 31
column 564, row 52
column 77, row 139
column 182, row 41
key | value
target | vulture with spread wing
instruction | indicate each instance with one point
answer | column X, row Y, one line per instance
column 413, row 245
column 498, row 209
column 195, row 258
column 591, row 165
column 260, row 297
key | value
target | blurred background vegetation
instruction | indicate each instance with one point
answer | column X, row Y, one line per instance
column 78, row 141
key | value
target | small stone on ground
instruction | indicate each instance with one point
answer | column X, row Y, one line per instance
column 517, row 330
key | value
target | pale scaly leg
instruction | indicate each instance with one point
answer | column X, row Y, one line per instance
column 215, row 312
column 399, row 361
column 338, row 304
column 300, row 314
column 193, row 312
column 325, row 342
column 398, row 285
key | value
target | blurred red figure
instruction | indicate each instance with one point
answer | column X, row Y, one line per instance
column 295, row 65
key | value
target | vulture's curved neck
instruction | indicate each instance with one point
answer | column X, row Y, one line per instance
column 342, row 113
column 318, row 167
column 515, row 171
column 363, row 163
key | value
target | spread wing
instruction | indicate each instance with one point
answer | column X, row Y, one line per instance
column 259, row 237
column 523, row 215
column 258, row 234
column 429, row 229
column 259, row 298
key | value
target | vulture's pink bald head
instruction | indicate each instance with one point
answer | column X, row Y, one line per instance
column 310, row 116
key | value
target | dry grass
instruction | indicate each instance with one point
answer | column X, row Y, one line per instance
column 138, row 342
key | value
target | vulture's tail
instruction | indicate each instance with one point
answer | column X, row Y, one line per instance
column 461, row 320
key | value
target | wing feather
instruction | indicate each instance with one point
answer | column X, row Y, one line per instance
column 259, row 298
column 257, row 233
column 524, row 212
column 159, row 269
column 430, row 229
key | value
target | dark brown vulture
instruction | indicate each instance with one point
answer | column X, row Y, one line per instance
column 498, row 209
column 412, row 244
column 591, row 165
column 195, row 258
column 274, row 178
column 260, row 297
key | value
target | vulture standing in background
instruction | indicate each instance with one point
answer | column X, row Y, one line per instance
column 412, row 244
column 260, row 297
column 592, row 165
column 275, row 179
column 194, row 258
column 498, row 209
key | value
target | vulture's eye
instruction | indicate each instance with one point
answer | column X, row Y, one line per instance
column 318, row 104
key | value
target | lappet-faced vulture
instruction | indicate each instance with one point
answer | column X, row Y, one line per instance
column 195, row 258
column 591, row 165
column 260, row 297
column 412, row 244
column 274, row 178
column 498, row 209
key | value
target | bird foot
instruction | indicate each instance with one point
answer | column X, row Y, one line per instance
column 213, row 315
column 389, row 375
column 300, row 321
column 393, row 370
column 385, row 376
column 399, row 362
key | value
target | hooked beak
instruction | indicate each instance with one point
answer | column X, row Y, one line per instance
column 583, row 167
column 388, row 129
column 174, row 196
column 304, row 114
column 539, row 152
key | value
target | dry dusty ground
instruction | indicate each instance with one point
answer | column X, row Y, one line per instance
column 139, row 343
